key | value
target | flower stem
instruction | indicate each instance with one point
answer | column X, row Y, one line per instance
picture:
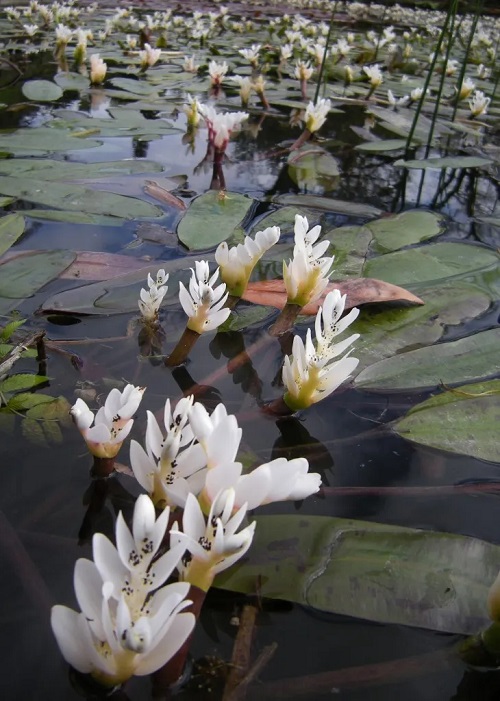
column 305, row 136
column 285, row 320
column 482, row 650
column 278, row 407
column 102, row 467
column 169, row 674
column 182, row 349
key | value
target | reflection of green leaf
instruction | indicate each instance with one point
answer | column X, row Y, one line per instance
column 433, row 262
column 378, row 572
column 77, row 198
column 23, row 380
column 41, row 90
column 11, row 228
column 459, row 421
column 312, row 165
column 211, row 219
column 42, row 433
column 246, row 316
column 468, row 359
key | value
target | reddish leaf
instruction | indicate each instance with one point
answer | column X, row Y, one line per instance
column 359, row 291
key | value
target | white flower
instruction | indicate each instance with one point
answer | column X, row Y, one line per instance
column 483, row 72
column 190, row 64
column 236, row 263
column 30, row 29
column 149, row 56
column 479, row 104
column 221, row 124
column 374, row 75
column 416, row 94
column 466, row 89
column 192, row 111
column 316, row 114
column 251, row 54
column 246, row 86
column 397, row 102
column 98, row 69
column 306, row 275
column 303, row 70
column 214, row 544
column 203, row 303
column 217, row 71
column 451, row 67
column 130, row 623
column 286, row 52
column 317, row 51
column 63, row 34
column 151, row 299
column 112, row 423
column 308, row 374
column 131, row 41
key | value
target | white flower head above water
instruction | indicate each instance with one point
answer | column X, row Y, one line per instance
column 303, row 70
column 213, row 545
column 466, row 89
column 98, row 69
column 112, row 423
column 236, row 263
column 191, row 109
column 149, row 56
column 217, row 72
column 30, row 29
column 374, row 75
column 306, row 275
column 190, row 64
column 251, row 54
column 204, row 303
column 151, row 299
column 309, row 374
column 221, row 124
column 129, row 623
column 479, row 104
column 63, row 34
column 316, row 114
column 245, row 85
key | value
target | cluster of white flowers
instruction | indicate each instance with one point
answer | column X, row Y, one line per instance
column 204, row 303
column 221, row 124
column 149, row 56
column 151, row 299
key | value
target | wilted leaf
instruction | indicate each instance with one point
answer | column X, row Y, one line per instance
column 153, row 189
column 383, row 573
column 464, row 421
column 358, row 290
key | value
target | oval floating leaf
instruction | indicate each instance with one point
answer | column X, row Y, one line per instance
column 447, row 162
column 42, row 90
column 382, row 146
column 327, row 204
column 383, row 573
column 413, row 226
column 71, row 81
column 468, row 359
column 464, row 420
column 42, row 139
column 211, row 218
column 11, row 228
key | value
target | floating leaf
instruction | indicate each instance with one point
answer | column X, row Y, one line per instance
column 28, row 400
column 466, row 360
column 359, row 291
column 432, row 262
column 327, row 204
column 77, row 198
column 48, row 169
column 378, row 572
column 211, row 218
column 41, row 90
column 447, row 162
column 382, row 145
column 413, row 226
column 42, row 139
column 241, row 318
column 138, row 87
column 60, row 215
column 71, row 81
column 22, row 380
column 11, row 228
column 464, row 421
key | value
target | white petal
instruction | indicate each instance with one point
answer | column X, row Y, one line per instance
column 67, row 627
column 176, row 635
column 142, row 466
column 108, row 561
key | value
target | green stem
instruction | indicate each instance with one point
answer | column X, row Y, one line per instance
column 327, row 46
column 482, row 650
column 182, row 349
column 285, row 320
column 463, row 68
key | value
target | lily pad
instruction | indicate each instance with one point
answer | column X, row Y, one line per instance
column 42, row 90
column 447, row 162
column 42, row 139
column 382, row 146
column 138, row 87
column 327, row 204
column 469, row 359
column 71, row 81
column 211, row 218
column 393, row 233
column 383, row 573
column 464, row 421
column 48, row 169
column 11, row 229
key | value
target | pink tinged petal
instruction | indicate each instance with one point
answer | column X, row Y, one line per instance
column 88, row 585
column 142, row 466
column 125, row 543
column 108, row 561
column 253, row 487
column 82, row 415
column 193, row 521
column 220, row 477
column 167, row 646
column 67, row 626
column 102, row 418
column 162, row 568
column 186, row 301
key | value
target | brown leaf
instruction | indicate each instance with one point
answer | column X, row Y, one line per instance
column 153, row 189
column 364, row 290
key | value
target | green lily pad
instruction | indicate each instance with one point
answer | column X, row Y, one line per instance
column 447, row 162
column 383, row 573
column 414, row 226
column 71, row 81
column 77, row 198
column 42, row 139
column 382, row 146
column 42, row 90
column 350, row 246
column 469, row 359
column 246, row 316
column 463, row 421
column 432, row 262
column 327, row 204
column 11, row 229
column 61, row 215
column 48, row 169
column 211, row 218
column 138, row 87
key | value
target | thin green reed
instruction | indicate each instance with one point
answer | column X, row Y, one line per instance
column 327, row 47
column 463, row 67
column 497, row 72
column 452, row 10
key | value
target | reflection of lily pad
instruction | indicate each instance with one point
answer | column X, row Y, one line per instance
column 311, row 166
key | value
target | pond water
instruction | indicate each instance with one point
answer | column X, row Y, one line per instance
column 362, row 623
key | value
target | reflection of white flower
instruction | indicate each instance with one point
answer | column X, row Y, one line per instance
column 150, row 299
column 192, row 111
column 246, row 86
column 236, row 263
column 112, row 423
column 316, row 114
column 190, row 64
column 309, row 374
column 130, row 623
column 479, row 104
column 204, row 303
column 213, row 545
